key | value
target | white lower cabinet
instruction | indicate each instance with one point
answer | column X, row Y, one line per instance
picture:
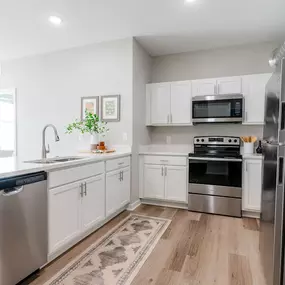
column 153, row 181
column 165, row 182
column 176, row 183
column 64, row 215
column 252, row 176
column 93, row 202
column 117, row 190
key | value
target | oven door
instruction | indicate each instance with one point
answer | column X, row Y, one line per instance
column 217, row 109
column 215, row 176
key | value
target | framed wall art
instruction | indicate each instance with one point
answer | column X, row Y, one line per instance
column 91, row 104
column 110, row 108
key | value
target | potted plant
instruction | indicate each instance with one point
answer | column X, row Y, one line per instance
column 91, row 125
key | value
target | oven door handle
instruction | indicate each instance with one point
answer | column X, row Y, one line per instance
column 216, row 159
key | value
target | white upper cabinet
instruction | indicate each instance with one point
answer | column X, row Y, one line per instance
column 254, row 97
column 252, row 184
column 160, row 103
column 181, row 103
column 154, row 181
column 176, row 183
column 217, row 86
column 93, row 202
column 204, row 87
column 229, row 85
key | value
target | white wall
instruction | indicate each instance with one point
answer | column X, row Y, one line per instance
column 232, row 61
column 50, row 86
column 142, row 64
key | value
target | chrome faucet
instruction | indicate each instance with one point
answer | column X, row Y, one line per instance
column 56, row 137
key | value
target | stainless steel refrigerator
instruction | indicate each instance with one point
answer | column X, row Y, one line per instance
column 271, row 241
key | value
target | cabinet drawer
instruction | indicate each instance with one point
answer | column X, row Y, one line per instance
column 117, row 163
column 70, row 175
column 165, row 160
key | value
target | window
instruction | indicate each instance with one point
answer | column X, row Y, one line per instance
column 7, row 122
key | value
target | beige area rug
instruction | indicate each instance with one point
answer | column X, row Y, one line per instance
column 117, row 257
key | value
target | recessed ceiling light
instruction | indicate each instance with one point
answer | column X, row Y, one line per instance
column 189, row 1
column 55, row 20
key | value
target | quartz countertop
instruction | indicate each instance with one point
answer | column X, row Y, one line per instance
column 175, row 150
column 180, row 150
column 12, row 166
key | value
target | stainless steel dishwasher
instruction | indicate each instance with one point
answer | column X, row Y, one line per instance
column 23, row 226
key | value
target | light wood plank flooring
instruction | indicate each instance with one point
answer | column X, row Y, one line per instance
column 195, row 249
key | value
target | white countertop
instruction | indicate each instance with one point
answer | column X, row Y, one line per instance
column 175, row 150
column 11, row 166
column 180, row 150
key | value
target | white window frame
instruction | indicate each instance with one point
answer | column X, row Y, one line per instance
column 13, row 92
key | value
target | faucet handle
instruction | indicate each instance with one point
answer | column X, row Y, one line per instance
column 48, row 149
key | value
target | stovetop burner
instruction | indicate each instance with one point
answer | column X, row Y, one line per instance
column 216, row 146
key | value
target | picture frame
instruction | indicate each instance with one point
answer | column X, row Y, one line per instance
column 111, row 108
column 91, row 104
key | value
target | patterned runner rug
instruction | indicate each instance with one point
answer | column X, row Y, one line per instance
column 116, row 258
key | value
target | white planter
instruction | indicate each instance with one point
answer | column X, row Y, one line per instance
column 94, row 141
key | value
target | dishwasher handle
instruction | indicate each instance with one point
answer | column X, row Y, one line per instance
column 13, row 191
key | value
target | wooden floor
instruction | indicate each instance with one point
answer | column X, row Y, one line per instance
column 195, row 249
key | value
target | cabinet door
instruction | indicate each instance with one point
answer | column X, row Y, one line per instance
column 93, row 201
column 229, row 85
column 125, row 187
column 160, row 103
column 176, row 183
column 252, row 185
column 181, row 103
column 113, row 192
column 64, row 215
column 204, row 87
column 254, row 97
column 153, row 181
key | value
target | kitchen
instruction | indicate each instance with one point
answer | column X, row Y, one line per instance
column 178, row 177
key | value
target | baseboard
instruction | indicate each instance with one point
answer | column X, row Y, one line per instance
column 165, row 203
column 134, row 205
column 254, row 215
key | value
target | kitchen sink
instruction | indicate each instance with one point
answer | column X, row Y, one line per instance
column 54, row 160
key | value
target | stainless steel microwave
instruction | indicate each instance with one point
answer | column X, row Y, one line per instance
column 217, row 109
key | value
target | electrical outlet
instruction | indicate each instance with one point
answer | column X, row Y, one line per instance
column 168, row 139
column 125, row 137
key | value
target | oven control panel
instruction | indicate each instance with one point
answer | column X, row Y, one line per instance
column 217, row 140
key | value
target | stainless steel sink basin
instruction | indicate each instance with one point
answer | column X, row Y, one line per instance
column 54, row 160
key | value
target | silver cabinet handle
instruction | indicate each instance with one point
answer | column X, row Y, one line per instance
column 16, row 190
column 171, row 118
column 218, row 88
column 162, row 171
column 167, row 119
column 85, row 188
column 165, row 171
column 120, row 163
column 246, row 166
column 123, row 175
column 120, row 176
column 81, row 189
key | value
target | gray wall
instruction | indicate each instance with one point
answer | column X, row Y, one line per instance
column 232, row 61
column 49, row 88
column 142, row 64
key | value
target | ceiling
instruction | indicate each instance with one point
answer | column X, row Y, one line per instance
column 161, row 26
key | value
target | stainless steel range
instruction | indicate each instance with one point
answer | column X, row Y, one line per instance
column 215, row 176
